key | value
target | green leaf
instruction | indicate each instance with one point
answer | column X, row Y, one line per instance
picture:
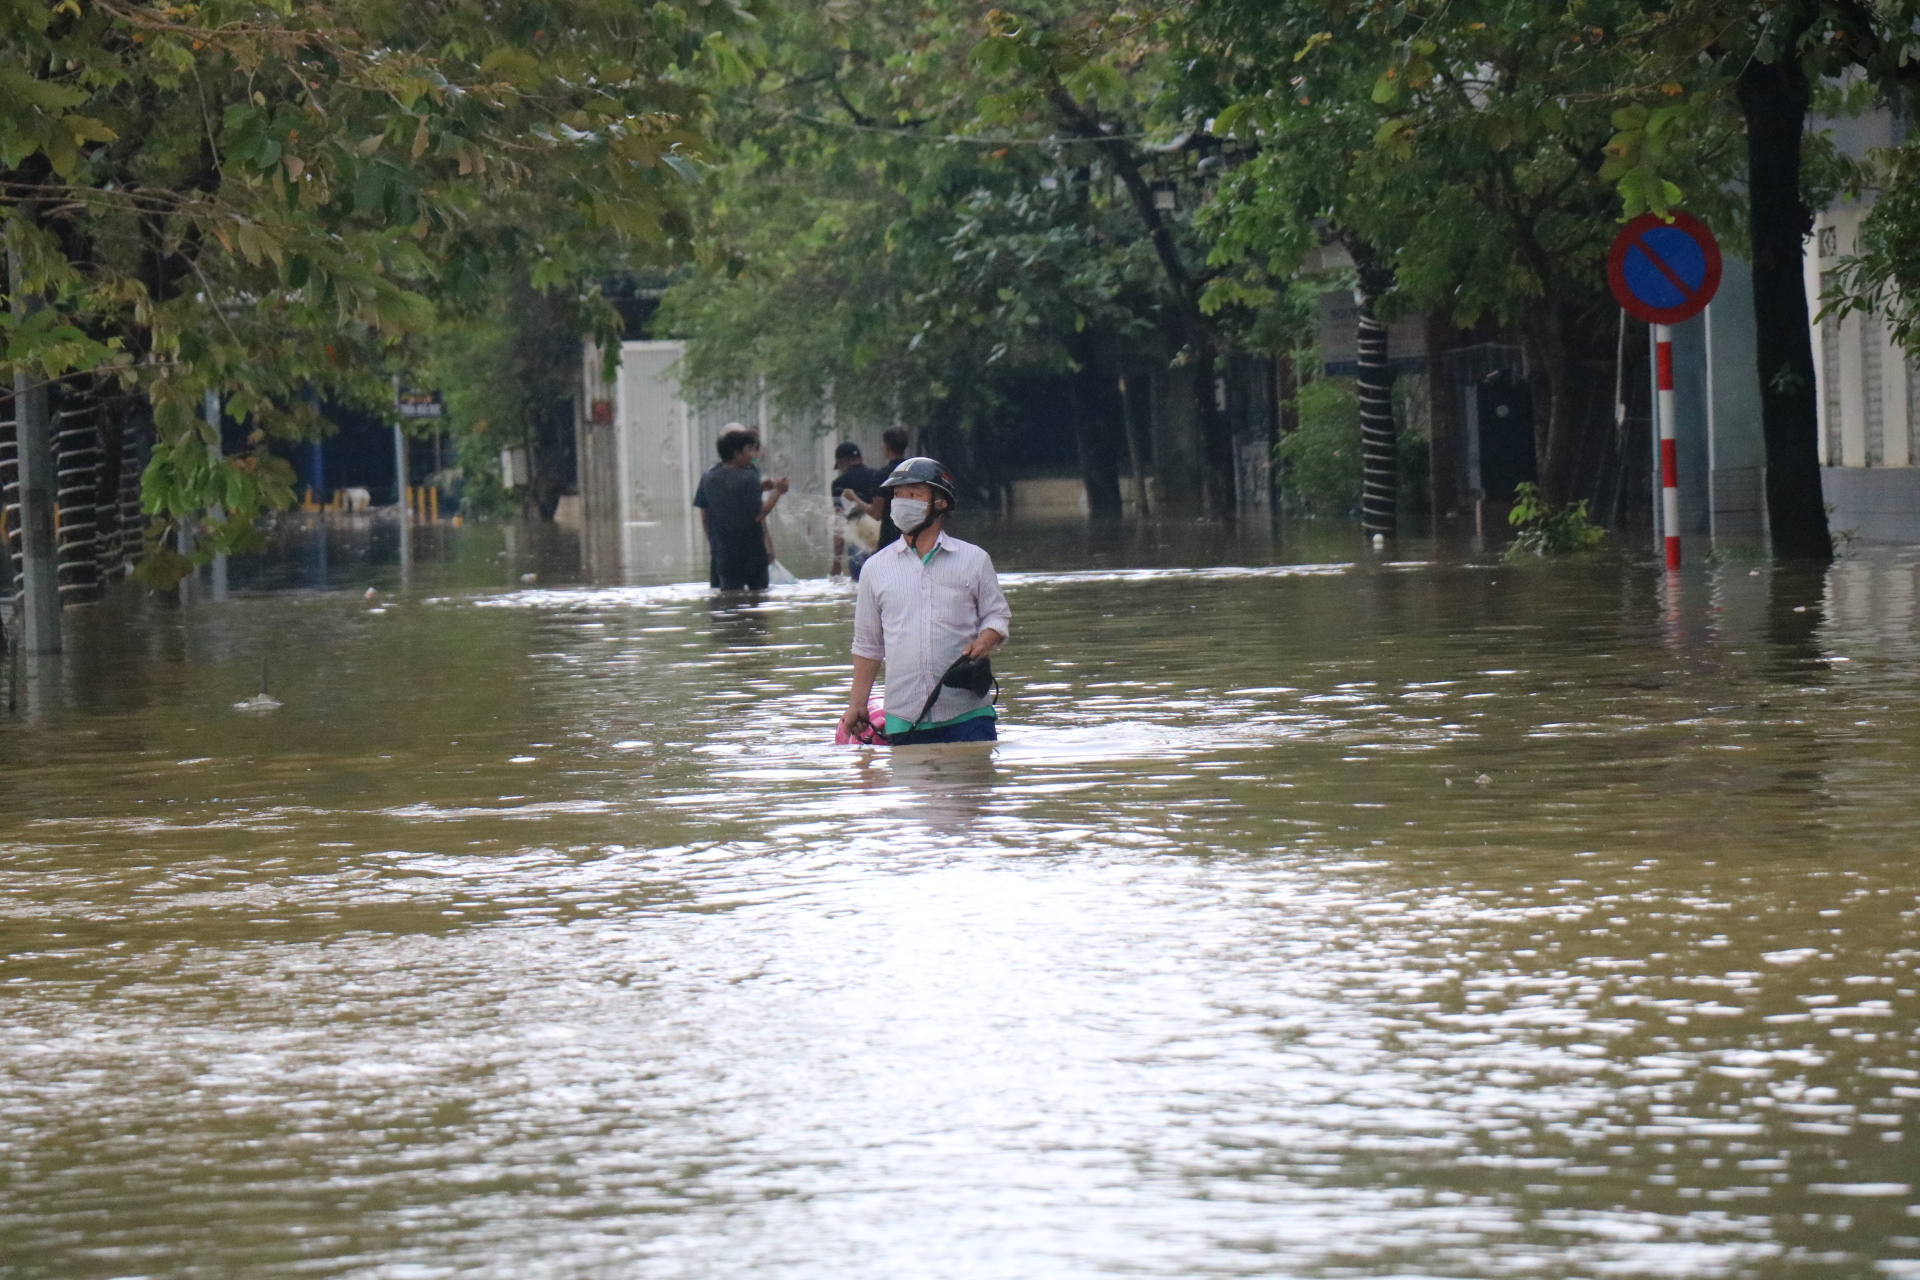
column 1630, row 118
column 1314, row 41
column 1229, row 119
column 996, row 55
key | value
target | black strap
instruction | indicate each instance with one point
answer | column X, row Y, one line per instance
column 942, row 683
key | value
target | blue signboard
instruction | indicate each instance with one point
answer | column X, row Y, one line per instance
column 1664, row 270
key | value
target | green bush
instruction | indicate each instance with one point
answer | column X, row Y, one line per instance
column 1547, row 530
column 1320, row 459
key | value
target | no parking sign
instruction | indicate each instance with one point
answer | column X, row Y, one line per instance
column 1664, row 270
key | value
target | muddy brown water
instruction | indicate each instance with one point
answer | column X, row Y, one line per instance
column 1315, row 916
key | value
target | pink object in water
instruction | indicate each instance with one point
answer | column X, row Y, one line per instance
column 871, row 736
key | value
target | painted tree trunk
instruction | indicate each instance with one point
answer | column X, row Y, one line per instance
column 34, row 460
column 1775, row 96
column 1379, row 452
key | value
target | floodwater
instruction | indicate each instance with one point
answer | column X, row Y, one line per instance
column 1316, row 916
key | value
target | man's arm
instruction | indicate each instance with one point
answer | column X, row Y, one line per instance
column 985, row 643
column 774, row 489
column 869, row 649
column 996, row 619
column 874, row 508
column 854, row 719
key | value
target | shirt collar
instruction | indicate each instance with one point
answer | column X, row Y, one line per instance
column 906, row 548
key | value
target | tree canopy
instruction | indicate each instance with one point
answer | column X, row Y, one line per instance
column 268, row 199
column 895, row 208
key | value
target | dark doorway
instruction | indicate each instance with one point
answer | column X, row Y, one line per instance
column 1505, row 423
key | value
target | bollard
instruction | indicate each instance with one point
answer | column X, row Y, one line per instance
column 1669, row 448
column 433, row 500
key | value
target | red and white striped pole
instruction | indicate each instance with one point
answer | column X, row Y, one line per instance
column 1669, row 450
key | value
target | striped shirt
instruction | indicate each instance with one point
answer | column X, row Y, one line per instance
column 918, row 617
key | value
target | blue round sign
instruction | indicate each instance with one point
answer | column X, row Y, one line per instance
column 1664, row 271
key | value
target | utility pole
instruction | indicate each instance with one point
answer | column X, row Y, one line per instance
column 218, row 513
column 400, row 485
column 33, row 432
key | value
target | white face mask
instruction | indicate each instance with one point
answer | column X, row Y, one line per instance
column 910, row 513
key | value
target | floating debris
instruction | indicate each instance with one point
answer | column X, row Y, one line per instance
column 257, row 703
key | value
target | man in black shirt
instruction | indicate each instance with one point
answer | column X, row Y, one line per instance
column 894, row 441
column 851, row 476
column 734, row 502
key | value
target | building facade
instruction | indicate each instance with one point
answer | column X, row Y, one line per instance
column 1869, row 386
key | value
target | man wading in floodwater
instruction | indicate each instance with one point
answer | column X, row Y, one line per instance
column 924, row 601
column 733, row 509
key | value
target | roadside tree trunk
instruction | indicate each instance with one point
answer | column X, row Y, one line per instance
column 1095, row 418
column 1774, row 96
column 36, row 470
column 1379, row 438
column 1558, row 437
column 1191, row 325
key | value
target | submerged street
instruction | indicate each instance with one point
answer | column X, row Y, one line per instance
column 1314, row 916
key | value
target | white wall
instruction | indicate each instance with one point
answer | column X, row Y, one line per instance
column 661, row 444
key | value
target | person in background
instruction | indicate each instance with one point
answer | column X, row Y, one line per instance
column 852, row 487
column 734, row 502
column 894, row 441
column 925, row 601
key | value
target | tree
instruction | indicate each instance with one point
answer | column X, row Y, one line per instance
column 510, row 371
column 924, row 202
column 1882, row 276
column 1772, row 57
column 1465, row 145
column 266, row 200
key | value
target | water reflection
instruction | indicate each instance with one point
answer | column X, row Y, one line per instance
column 543, row 932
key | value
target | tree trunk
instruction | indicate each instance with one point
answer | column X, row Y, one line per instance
column 1094, row 418
column 1192, row 325
column 1775, row 96
column 1217, row 492
column 1142, row 492
column 35, row 467
column 1557, row 438
column 1379, row 440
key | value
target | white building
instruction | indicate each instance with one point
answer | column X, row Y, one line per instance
column 1869, row 387
column 642, row 447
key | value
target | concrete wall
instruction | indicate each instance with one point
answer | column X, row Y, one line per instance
column 1717, row 409
column 1692, row 430
column 643, row 447
column 1736, row 445
column 1873, row 504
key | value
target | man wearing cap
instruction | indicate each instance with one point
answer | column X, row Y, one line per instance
column 925, row 601
column 852, row 487
column 894, row 441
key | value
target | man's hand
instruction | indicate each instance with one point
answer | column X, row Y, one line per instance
column 856, row 723
column 983, row 644
column 780, row 485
